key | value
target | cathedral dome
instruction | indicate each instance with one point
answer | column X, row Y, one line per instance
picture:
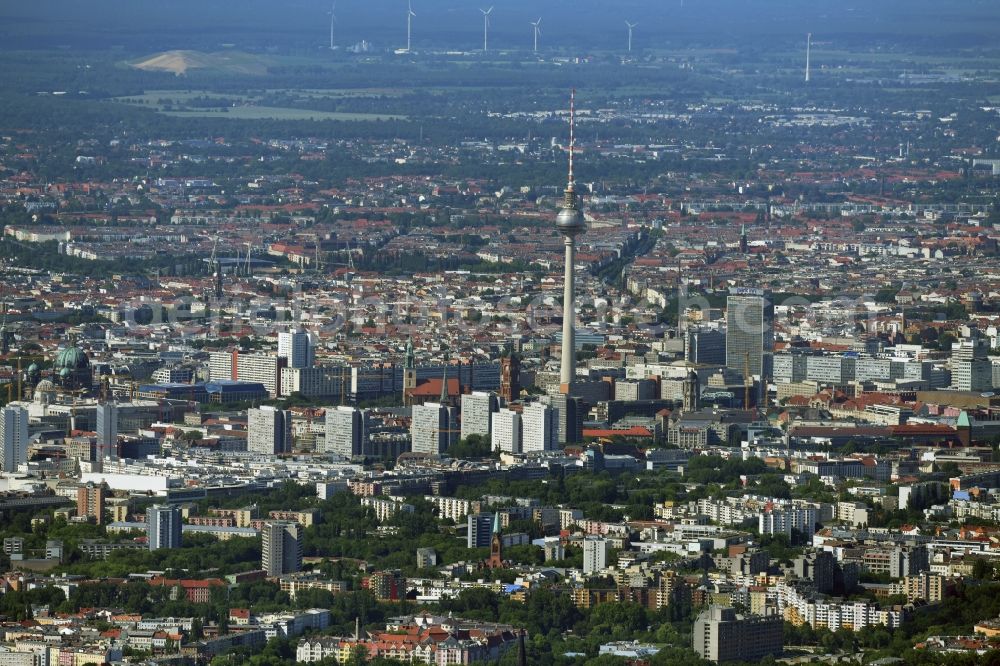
column 72, row 358
column 44, row 392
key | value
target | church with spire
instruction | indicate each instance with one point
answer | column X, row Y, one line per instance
column 445, row 390
column 496, row 560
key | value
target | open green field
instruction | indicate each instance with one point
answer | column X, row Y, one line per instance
column 249, row 106
column 277, row 113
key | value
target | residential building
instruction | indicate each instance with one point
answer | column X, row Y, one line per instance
column 433, row 428
column 281, row 547
column 261, row 368
column 346, row 431
column 720, row 635
column 802, row 519
column 506, row 431
column 296, row 347
column 386, row 507
column 318, row 381
column 595, row 554
column 478, row 408
column 453, row 508
column 269, row 430
column 163, row 526
column 90, row 501
column 539, row 428
column 426, row 558
column 932, row 588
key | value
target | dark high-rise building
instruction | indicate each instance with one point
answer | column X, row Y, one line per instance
column 721, row 635
column 572, row 411
column 750, row 331
column 705, row 346
column 163, row 526
column 281, row 547
column 480, row 527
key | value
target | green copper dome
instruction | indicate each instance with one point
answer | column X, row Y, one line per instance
column 72, row 358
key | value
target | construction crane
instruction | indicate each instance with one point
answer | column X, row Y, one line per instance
column 217, row 268
column 449, row 432
column 747, row 381
column 350, row 257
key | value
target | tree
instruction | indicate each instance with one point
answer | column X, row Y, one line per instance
column 359, row 656
column 983, row 569
column 473, row 446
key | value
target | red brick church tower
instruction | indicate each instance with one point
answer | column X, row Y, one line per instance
column 496, row 546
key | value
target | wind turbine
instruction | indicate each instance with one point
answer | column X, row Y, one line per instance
column 409, row 21
column 333, row 19
column 630, row 26
column 486, row 26
column 537, row 30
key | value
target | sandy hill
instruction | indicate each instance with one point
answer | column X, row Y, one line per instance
column 179, row 62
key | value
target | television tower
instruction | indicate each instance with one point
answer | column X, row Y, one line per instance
column 570, row 224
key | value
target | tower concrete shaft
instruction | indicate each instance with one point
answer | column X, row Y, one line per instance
column 570, row 223
column 568, row 367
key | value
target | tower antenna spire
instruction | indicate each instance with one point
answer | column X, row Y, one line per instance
column 572, row 135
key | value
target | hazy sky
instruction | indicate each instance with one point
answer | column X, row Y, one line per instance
column 458, row 24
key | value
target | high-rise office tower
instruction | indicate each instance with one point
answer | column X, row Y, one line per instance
column 346, row 431
column 750, row 331
column 163, row 526
column 433, row 428
column 971, row 369
column 5, row 337
column 478, row 408
column 13, row 436
column 296, row 347
column 107, row 430
column 572, row 412
column 269, row 430
column 570, row 223
column 281, row 547
column 480, row 529
column 704, row 346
